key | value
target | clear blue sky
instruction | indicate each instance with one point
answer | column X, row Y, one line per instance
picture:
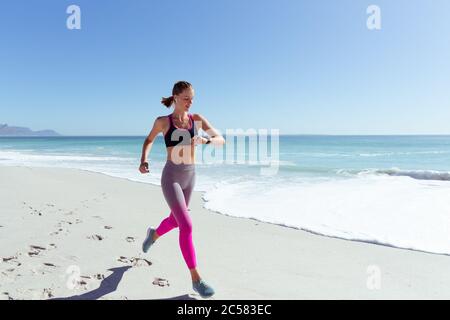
column 308, row 67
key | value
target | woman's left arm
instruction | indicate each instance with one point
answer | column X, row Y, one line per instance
column 215, row 137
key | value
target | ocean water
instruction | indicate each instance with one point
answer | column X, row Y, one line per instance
column 389, row 190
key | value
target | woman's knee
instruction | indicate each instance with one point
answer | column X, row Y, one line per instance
column 185, row 226
column 173, row 221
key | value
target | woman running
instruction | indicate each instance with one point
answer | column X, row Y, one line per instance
column 178, row 176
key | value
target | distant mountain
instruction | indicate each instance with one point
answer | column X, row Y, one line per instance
column 6, row 130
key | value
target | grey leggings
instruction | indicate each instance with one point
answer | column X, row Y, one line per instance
column 177, row 182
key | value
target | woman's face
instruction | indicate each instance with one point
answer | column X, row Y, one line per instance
column 185, row 99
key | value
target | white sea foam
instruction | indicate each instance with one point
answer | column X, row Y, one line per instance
column 415, row 174
column 48, row 158
column 410, row 153
column 395, row 211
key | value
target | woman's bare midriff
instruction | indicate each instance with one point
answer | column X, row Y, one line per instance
column 181, row 154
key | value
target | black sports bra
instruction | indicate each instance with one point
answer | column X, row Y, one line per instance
column 175, row 136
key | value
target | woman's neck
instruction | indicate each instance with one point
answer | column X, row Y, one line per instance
column 180, row 115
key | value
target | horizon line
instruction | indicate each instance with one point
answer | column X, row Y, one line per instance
column 285, row 134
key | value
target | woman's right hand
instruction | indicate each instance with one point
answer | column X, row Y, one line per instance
column 143, row 168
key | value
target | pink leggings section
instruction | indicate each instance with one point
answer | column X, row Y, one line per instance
column 185, row 238
column 177, row 183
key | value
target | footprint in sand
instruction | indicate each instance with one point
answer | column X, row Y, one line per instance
column 44, row 268
column 36, row 212
column 82, row 284
column 48, row 264
column 97, row 276
column 10, row 273
column 161, row 282
column 47, row 293
column 13, row 264
column 33, row 210
column 123, row 259
column 11, row 259
column 86, row 282
column 96, row 237
column 35, row 250
column 40, row 294
column 135, row 262
column 64, row 222
column 59, row 231
column 6, row 296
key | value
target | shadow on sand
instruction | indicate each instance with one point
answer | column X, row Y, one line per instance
column 110, row 284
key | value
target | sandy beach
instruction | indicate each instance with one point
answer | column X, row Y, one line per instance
column 72, row 234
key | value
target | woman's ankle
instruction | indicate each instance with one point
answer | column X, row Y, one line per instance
column 195, row 276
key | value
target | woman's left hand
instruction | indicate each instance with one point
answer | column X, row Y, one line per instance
column 199, row 140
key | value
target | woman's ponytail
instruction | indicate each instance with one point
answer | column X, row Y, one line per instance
column 167, row 101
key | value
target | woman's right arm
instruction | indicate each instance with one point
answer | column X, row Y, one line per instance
column 148, row 143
